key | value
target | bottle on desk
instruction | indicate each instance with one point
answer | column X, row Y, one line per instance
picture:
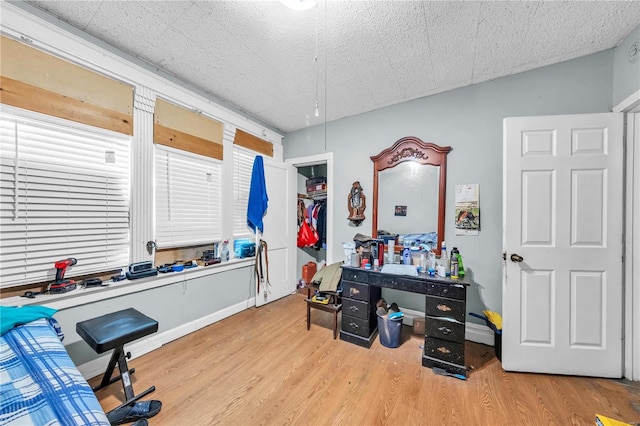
column 406, row 255
column 444, row 259
column 453, row 267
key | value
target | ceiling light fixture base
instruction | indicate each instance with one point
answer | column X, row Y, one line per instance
column 299, row 4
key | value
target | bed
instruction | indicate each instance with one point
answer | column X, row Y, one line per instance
column 39, row 384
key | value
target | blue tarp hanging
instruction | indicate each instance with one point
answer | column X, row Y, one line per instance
column 258, row 199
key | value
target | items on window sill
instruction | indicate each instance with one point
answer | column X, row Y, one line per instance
column 209, row 256
column 177, row 266
column 356, row 204
column 244, row 247
column 224, row 251
column 141, row 270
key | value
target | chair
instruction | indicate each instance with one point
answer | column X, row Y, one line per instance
column 113, row 331
column 334, row 306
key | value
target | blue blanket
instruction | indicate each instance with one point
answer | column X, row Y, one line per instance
column 258, row 199
column 40, row 384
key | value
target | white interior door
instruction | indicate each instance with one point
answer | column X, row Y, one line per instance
column 563, row 215
column 280, row 225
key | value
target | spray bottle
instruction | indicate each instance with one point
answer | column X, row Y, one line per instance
column 224, row 251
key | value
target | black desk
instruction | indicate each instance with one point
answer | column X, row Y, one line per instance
column 444, row 314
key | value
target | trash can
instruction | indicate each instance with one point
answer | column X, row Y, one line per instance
column 390, row 331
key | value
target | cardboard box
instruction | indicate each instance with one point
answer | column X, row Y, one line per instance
column 316, row 180
column 418, row 326
column 316, row 184
column 316, row 187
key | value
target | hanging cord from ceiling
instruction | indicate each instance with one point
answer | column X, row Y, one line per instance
column 315, row 59
column 325, row 76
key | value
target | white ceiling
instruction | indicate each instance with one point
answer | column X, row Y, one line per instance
column 259, row 55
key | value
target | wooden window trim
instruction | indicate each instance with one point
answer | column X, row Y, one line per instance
column 183, row 129
column 253, row 143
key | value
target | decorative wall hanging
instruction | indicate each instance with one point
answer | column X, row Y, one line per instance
column 356, row 203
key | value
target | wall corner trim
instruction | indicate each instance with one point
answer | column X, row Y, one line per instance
column 628, row 103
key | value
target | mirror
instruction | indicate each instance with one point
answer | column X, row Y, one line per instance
column 409, row 189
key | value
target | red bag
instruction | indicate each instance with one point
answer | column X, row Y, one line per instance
column 307, row 235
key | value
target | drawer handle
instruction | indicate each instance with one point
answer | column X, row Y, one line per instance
column 354, row 308
column 444, row 350
column 353, row 325
column 444, row 330
column 443, row 308
column 353, row 291
column 445, row 291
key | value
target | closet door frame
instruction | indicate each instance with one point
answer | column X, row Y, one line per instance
column 313, row 160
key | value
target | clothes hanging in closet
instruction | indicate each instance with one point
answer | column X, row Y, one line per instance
column 320, row 223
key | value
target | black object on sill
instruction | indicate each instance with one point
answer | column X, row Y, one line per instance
column 91, row 282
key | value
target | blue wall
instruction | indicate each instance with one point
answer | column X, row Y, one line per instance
column 470, row 121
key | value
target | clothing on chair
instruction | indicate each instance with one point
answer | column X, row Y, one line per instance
column 328, row 277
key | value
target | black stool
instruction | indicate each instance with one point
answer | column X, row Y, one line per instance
column 112, row 331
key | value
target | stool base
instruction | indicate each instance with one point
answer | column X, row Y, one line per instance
column 120, row 357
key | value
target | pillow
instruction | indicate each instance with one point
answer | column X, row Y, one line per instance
column 12, row 316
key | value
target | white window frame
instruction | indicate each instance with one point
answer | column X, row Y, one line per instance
column 188, row 198
column 69, row 201
column 243, row 159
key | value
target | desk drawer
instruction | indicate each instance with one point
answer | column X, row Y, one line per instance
column 357, row 326
column 444, row 350
column 355, row 308
column 355, row 275
column 441, row 307
column 444, row 290
column 443, row 329
column 353, row 290
column 398, row 283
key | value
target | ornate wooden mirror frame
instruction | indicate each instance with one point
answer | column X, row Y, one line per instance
column 406, row 149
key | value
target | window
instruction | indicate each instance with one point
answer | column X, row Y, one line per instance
column 64, row 192
column 242, row 168
column 188, row 201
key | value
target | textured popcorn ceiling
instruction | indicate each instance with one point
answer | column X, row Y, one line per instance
column 259, row 55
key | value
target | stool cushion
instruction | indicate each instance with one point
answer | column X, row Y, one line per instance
column 115, row 329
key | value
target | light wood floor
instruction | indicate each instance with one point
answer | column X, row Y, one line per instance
column 262, row 367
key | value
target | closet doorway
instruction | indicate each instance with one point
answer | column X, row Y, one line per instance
column 313, row 169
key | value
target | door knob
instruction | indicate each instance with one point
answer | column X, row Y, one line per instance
column 516, row 258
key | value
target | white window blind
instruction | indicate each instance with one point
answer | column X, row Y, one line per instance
column 188, row 198
column 242, row 168
column 64, row 192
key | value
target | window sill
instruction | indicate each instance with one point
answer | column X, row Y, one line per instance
column 82, row 296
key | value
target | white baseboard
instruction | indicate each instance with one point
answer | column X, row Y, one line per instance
column 141, row 347
column 409, row 315
column 477, row 333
